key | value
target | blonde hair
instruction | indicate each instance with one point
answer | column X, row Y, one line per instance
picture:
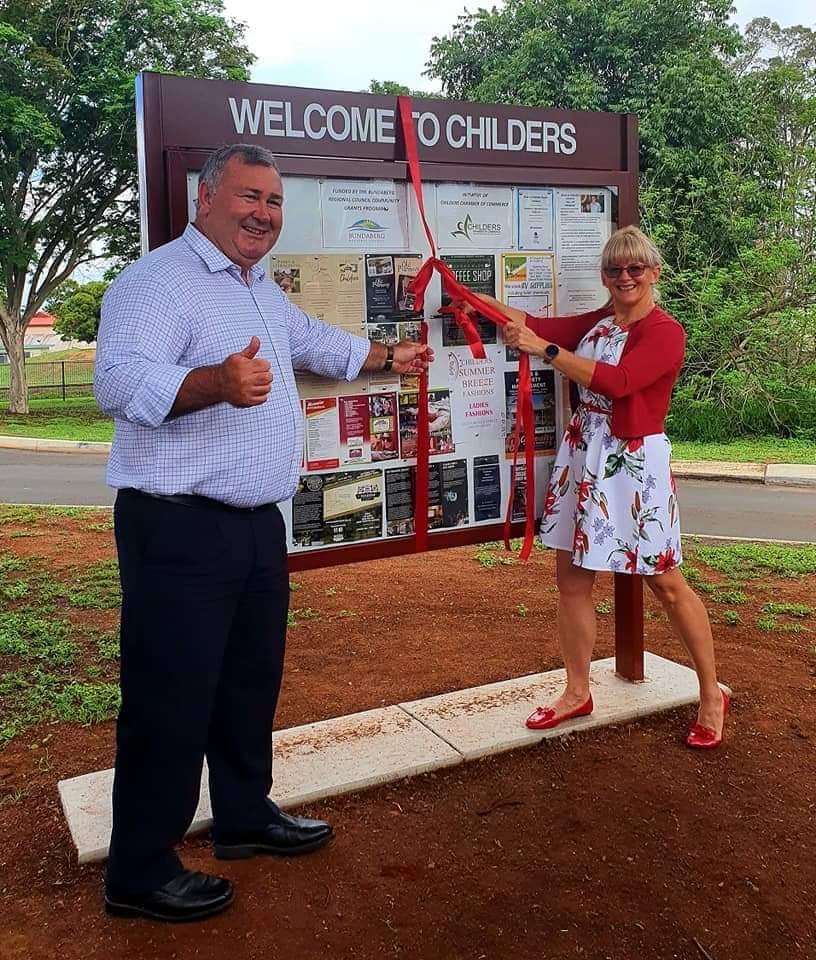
column 630, row 245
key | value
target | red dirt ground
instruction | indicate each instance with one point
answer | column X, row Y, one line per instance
column 616, row 844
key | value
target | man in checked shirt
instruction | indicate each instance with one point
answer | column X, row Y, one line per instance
column 195, row 361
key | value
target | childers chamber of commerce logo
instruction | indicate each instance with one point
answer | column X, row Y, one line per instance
column 469, row 228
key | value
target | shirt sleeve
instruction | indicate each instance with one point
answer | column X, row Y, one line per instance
column 141, row 340
column 658, row 353
column 567, row 332
column 321, row 348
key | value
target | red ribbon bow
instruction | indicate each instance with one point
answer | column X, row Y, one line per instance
column 458, row 294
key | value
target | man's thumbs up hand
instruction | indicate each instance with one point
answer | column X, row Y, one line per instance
column 245, row 381
column 251, row 349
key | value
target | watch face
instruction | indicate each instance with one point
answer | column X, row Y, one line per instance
column 551, row 350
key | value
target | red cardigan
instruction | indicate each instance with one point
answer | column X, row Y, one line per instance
column 640, row 385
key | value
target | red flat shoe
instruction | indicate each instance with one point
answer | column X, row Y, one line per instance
column 704, row 738
column 544, row 718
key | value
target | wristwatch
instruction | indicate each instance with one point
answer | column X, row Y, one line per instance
column 389, row 358
column 551, row 351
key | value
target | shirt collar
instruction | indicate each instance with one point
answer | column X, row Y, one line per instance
column 214, row 258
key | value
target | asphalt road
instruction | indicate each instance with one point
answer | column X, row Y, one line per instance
column 707, row 507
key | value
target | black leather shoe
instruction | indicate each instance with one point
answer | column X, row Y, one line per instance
column 189, row 896
column 286, row 836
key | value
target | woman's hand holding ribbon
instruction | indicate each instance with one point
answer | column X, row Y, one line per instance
column 518, row 335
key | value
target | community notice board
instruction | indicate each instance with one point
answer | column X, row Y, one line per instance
column 347, row 251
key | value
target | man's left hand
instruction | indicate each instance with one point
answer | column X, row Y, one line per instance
column 410, row 357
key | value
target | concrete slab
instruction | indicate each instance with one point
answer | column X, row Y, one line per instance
column 719, row 470
column 791, row 474
column 311, row 762
column 490, row 719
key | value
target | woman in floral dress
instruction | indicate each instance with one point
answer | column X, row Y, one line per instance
column 612, row 503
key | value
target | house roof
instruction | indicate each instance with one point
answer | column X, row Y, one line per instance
column 42, row 319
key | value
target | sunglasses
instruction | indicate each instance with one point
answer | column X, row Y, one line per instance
column 633, row 269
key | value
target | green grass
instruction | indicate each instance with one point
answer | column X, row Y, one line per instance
column 729, row 596
column 788, row 609
column 751, row 561
column 97, row 587
column 73, row 354
column 75, row 419
column 12, row 513
column 51, row 669
column 34, row 638
column 78, row 369
column 748, row 450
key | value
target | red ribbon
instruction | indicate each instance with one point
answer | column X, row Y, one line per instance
column 525, row 425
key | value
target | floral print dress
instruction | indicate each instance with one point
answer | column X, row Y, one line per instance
column 611, row 503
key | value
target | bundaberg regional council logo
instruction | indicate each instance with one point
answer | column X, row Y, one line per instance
column 367, row 229
column 469, row 228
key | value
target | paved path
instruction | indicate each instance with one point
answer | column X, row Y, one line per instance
column 716, row 508
column 62, row 478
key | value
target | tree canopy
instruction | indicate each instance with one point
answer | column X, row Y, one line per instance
column 68, row 133
column 728, row 174
column 77, row 309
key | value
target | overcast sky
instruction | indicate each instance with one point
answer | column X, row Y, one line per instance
column 344, row 45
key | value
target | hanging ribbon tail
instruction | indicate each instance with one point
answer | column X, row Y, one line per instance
column 460, row 294
column 422, row 459
column 525, row 427
column 528, row 415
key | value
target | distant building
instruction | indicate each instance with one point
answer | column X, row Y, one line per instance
column 40, row 336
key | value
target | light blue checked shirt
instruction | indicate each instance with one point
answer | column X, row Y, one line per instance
column 185, row 306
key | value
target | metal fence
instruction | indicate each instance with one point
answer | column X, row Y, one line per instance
column 65, row 378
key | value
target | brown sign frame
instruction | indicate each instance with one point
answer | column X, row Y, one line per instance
column 181, row 120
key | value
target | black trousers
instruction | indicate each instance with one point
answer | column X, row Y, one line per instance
column 205, row 596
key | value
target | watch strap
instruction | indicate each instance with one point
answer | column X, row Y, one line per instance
column 389, row 358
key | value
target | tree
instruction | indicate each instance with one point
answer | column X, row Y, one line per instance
column 77, row 309
column 390, row 88
column 68, row 182
column 751, row 314
column 728, row 174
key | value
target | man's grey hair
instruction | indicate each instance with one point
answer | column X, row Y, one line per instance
column 213, row 170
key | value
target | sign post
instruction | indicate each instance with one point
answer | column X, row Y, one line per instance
column 522, row 200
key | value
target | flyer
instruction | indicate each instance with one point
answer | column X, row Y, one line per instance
column 471, row 216
column 399, row 501
column 334, row 508
column 447, row 497
column 439, row 420
column 486, row 488
column 330, row 288
column 386, row 281
column 584, row 224
column 543, row 382
column 477, row 273
column 534, row 210
column 477, row 395
column 322, row 434
column 368, row 428
column 364, row 214
column 518, row 473
column 355, row 430
column 528, row 284
column 382, row 409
